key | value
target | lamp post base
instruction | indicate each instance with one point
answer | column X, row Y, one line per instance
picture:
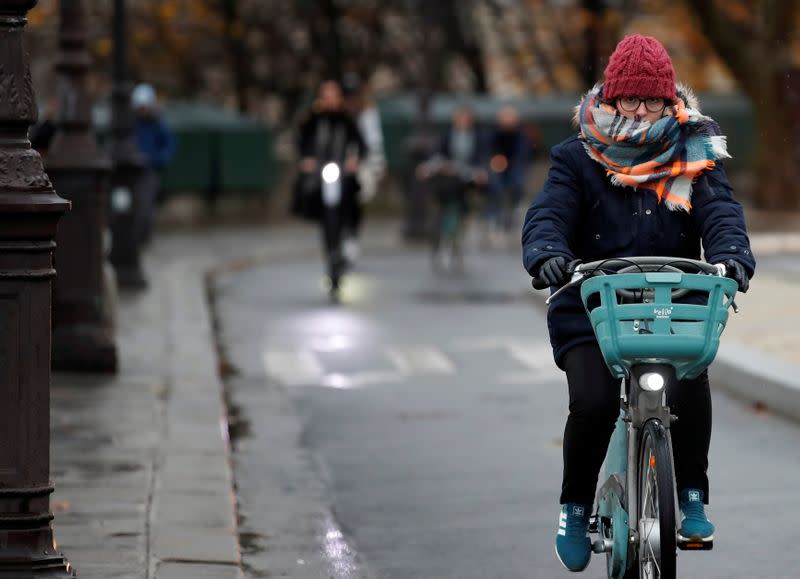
column 130, row 277
column 84, row 348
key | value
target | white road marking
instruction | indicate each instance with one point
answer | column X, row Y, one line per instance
column 478, row 344
column 293, row 367
column 420, row 360
column 302, row 367
column 360, row 379
column 535, row 355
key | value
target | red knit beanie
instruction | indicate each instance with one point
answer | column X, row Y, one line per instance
column 639, row 67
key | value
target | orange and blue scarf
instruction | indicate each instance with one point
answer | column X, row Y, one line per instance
column 665, row 157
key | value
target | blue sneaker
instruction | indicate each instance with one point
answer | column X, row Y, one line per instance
column 695, row 524
column 573, row 547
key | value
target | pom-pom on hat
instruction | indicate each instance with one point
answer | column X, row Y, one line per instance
column 640, row 67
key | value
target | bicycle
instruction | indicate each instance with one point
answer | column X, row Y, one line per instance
column 452, row 181
column 649, row 340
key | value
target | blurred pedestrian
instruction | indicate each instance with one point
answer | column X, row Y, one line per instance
column 360, row 106
column 509, row 156
column 330, row 136
column 156, row 143
column 643, row 177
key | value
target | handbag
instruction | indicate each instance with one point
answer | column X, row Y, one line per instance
column 307, row 196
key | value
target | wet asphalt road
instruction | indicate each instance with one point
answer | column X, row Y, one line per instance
column 429, row 418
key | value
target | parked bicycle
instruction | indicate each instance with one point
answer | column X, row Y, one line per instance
column 657, row 320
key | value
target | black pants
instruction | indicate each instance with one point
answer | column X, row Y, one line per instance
column 342, row 219
column 593, row 409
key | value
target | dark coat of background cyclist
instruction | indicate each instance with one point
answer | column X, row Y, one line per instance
column 509, row 154
column 581, row 214
column 459, row 161
column 330, row 134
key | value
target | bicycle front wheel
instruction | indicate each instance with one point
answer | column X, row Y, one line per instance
column 656, row 512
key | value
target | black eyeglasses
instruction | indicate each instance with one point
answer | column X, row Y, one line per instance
column 631, row 104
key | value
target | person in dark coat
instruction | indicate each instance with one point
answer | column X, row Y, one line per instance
column 330, row 134
column 645, row 176
column 509, row 156
column 156, row 143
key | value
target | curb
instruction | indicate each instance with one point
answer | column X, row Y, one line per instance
column 758, row 378
column 193, row 518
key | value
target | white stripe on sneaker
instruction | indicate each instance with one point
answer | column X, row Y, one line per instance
column 562, row 532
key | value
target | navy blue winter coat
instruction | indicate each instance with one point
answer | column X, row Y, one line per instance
column 155, row 140
column 580, row 214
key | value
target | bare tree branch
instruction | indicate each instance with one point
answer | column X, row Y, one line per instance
column 738, row 55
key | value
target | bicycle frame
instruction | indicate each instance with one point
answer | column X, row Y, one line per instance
column 619, row 495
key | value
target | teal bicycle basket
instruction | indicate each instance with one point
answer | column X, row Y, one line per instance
column 685, row 336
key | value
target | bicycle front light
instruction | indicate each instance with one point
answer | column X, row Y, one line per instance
column 651, row 381
column 330, row 173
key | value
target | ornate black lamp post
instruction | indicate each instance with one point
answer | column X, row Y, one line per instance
column 82, row 339
column 29, row 212
column 126, row 167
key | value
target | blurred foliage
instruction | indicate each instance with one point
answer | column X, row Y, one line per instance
column 266, row 57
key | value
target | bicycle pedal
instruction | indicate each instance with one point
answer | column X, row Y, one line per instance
column 593, row 524
column 685, row 544
column 603, row 546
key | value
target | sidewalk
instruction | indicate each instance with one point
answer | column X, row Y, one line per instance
column 759, row 358
column 141, row 460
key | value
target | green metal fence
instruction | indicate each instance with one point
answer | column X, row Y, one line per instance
column 218, row 152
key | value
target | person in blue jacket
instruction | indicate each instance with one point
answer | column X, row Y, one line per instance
column 156, row 143
column 643, row 177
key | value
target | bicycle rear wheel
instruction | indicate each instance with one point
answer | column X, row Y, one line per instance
column 656, row 509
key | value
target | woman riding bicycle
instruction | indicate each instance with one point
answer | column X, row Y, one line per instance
column 643, row 177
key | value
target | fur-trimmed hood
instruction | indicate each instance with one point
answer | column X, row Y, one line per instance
column 684, row 92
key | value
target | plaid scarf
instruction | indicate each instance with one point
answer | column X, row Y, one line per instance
column 665, row 157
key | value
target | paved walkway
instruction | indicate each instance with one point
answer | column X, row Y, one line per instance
column 141, row 460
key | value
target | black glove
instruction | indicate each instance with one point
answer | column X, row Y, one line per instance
column 554, row 271
column 736, row 272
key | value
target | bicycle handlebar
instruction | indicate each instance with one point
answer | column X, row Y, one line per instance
column 581, row 271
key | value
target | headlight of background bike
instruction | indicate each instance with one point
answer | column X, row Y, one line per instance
column 330, row 173
column 651, row 381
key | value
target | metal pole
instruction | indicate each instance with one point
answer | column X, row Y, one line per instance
column 82, row 337
column 29, row 214
column 127, row 166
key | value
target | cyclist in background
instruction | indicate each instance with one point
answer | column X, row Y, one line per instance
column 454, row 170
column 643, row 177
column 509, row 155
column 330, row 135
